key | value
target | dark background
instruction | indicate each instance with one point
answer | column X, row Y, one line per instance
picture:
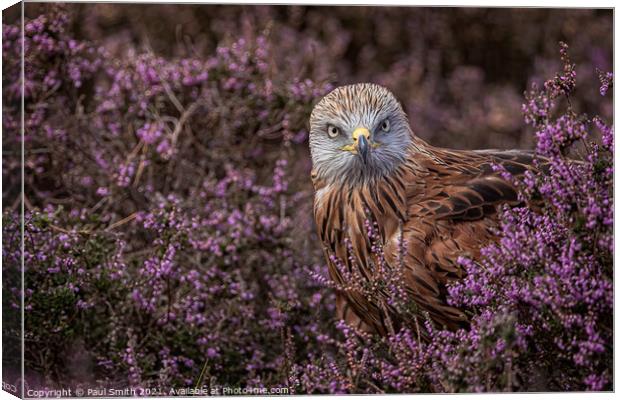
column 460, row 72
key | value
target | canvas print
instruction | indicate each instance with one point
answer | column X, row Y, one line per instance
column 290, row 200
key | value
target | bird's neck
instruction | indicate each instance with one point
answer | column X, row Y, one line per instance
column 347, row 207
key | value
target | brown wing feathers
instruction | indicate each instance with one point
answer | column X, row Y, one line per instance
column 445, row 202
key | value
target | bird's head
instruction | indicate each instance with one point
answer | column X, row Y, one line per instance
column 358, row 133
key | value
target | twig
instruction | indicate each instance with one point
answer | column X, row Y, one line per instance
column 63, row 230
column 16, row 203
column 173, row 98
column 270, row 132
column 135, row 151
column 389, row 324
column 99, row 204
column 417, row 327
column 184, row 116
column 27, row 203
column 202, row 372
column 141, row 165
column 121, row 222
column 379, row 390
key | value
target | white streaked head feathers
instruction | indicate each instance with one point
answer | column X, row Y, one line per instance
column 348, row 108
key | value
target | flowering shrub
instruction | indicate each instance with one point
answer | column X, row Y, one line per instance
column 541, row 300
column 553, row 268
column 202, row 258
column 168, row 229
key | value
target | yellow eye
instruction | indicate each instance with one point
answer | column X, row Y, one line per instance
column 332, row 131
column 385, row 125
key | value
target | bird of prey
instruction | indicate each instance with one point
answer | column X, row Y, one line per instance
column 430, row 205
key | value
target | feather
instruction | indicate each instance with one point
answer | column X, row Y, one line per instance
column 443, row 203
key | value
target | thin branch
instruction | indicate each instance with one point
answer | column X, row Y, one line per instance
column 121, row 222
column 179, row 126
column 63, row 230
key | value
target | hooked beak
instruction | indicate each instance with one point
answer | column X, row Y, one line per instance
column 360, row 136
column 363, row 148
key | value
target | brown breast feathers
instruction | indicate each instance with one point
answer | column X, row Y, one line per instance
column 437, row 206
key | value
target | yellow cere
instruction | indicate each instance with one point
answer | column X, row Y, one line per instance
column 356, row 134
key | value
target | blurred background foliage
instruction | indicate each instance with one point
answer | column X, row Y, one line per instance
column 460, row 72
column 167, row 182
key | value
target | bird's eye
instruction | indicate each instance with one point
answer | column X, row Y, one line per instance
column 385, row 125
column 332, row 131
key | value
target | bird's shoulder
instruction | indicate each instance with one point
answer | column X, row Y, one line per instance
column 454, row 210
column 465, row 185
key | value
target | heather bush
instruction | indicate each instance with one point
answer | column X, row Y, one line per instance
column 196, row 201
column 168, row 234
column 460, row 73
column 541, row 300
